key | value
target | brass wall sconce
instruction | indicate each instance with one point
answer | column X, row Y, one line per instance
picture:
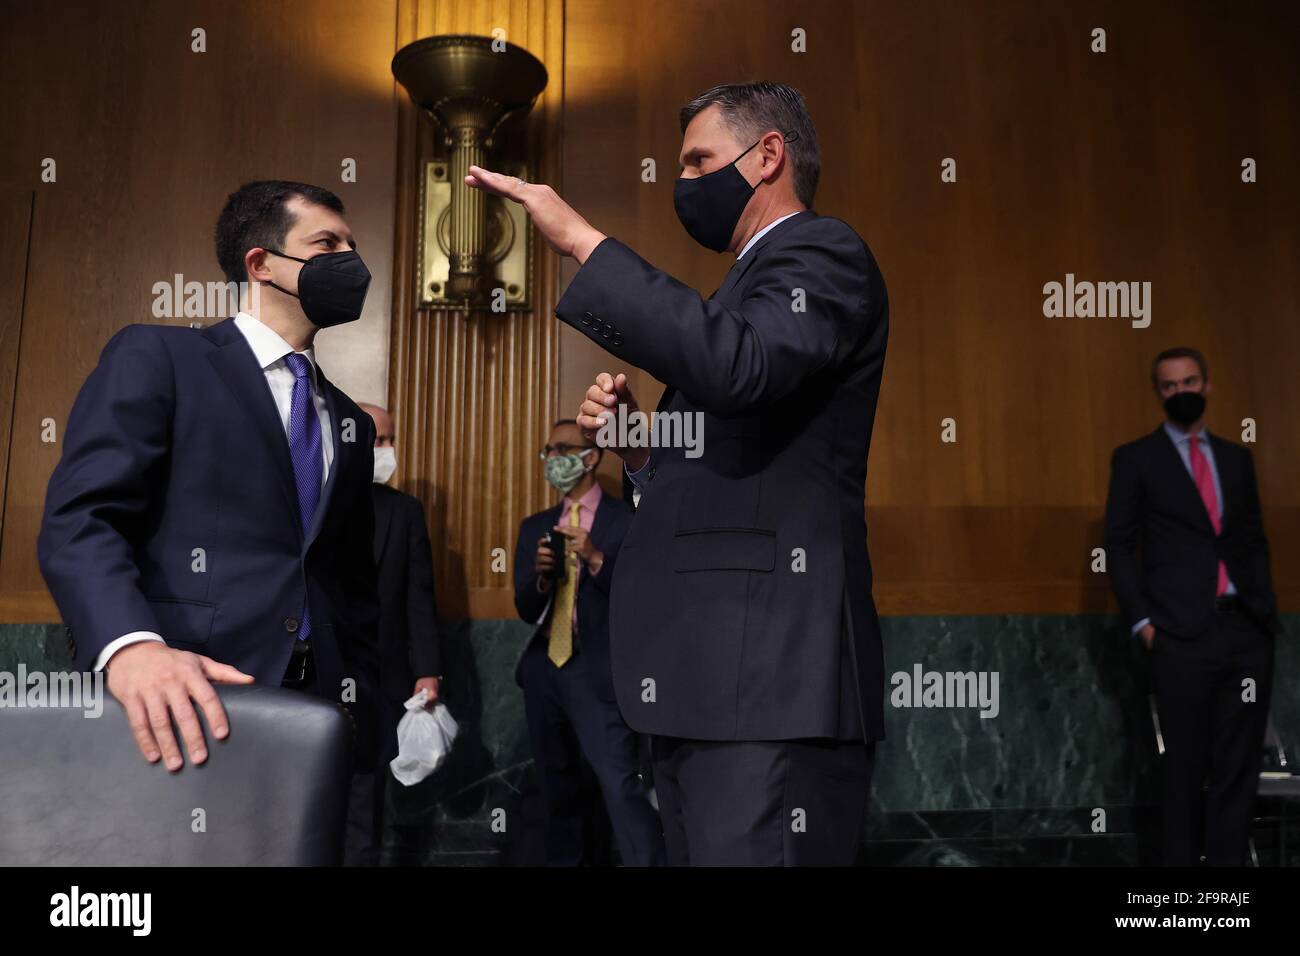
column 471, row 244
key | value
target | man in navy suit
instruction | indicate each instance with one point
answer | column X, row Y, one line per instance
column 745, row 638
column 210, row 518
column 564, row 671
column 1189, row 564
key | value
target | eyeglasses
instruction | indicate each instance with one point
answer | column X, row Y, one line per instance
column 563, row 449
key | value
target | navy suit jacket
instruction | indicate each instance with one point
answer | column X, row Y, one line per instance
column 742, row 608
column 173, row 509
column 608, row 526
column 1161, row 550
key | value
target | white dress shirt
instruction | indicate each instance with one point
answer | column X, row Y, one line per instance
column 269, row 349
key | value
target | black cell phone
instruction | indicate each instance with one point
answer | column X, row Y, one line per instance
column 556, row 541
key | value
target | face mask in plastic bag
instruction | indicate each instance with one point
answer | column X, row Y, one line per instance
column 424, row 740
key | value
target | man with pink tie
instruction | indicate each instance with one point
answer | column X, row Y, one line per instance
column 1189, row 563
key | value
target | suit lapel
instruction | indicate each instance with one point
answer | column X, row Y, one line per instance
column 343, row 452
column 733, row 277
column 744, row 263
column 1179, row 478
column 238, row 368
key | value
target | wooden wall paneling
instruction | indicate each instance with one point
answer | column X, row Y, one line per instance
column 149, row 138
column 1122, row 166
column 16, row 210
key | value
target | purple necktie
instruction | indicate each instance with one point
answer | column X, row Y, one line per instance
column 304, row 451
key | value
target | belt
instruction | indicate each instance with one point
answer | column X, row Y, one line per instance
column 1227, row 602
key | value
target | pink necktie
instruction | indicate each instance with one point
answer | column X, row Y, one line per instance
column 1205, row 485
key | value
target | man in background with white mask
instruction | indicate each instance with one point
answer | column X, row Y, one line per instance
column 564, row 671
column 409, row 658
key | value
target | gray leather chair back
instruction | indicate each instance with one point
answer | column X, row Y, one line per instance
column 76, row 791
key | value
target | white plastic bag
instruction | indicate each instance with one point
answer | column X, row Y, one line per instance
column 424, row 740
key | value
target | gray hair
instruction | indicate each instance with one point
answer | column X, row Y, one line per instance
column 751, row 109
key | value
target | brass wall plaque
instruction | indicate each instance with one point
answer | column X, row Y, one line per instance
column 508, row 243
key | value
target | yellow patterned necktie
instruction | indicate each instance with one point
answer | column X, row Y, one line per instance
column 560, row 647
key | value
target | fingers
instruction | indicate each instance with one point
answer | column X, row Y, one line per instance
column 497, row 184
column 592, row 413
column 137, row 716
column 178, row 698
column 604, row 382
column 160, row 723
column 223, row 673
column 210, row 703
column 601, row 397
column 624, row 392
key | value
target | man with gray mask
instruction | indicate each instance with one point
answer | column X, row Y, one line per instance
column 564, row 671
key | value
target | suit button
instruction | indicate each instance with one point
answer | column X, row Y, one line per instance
column 291, row 624
column 618, row 338
column 586, row 315
column 586, row 321
column 605, row 333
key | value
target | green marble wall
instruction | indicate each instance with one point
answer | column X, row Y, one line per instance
column 1072, row 734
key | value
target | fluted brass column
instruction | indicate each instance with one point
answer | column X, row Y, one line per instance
column 468, row 215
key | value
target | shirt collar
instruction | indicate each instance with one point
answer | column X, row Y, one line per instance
column 764, row 231
column 1178, row 436
column 587, row 502
column 267, row 345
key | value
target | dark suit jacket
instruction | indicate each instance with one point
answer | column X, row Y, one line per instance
column 174, row 444
column 609, row 525
column 1153, row 508
column 708, row 604
column 408, row 614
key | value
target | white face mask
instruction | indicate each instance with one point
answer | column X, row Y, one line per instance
column 385, row 464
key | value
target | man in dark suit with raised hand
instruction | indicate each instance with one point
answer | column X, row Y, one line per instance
column 745, row 638
column 210, row 517
column 1189, row 563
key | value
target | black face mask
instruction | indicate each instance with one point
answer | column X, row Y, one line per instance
column 709, row 206
column 331, row 286
column 1184, row 408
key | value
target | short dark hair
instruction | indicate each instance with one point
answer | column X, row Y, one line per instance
column 255, row 217
column 1181, row 352
column 752, row 109
column 564, row 421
